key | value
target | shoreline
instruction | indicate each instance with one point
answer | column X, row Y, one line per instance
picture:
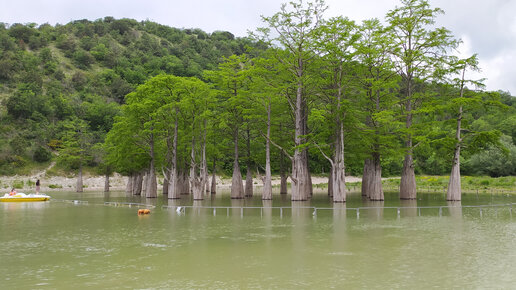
column 117, row 182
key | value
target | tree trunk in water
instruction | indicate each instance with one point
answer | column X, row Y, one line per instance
column 214, row 179
column 137, row 184
column 375, row 179
column 203, row 175
column 237, row 186
column 151, row 190
column 129, row 186
column 213, row 189
column 106, row 183
column 283, row 175
column 330, row 183
column 408, row 178
column 300, row 174
column 185, row 184
column 267, row 182
column 198, row 193
column 454, row 186
column 79, row 187
column 366, row 177
column 249, row 183
column 166, row 178
column 151, row 186
column 195, row 181
column 174, row 190
column 144, row 182
column 249, row 173
column 338, row 167
column 338, row 182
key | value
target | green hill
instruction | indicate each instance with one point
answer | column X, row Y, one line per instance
column 84, row 69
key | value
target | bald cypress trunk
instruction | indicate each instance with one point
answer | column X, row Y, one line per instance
column 164, row 188
column 249, row 173
column 137, row 184
column 203, row 173
column 366, row 177
column 214, row 178
column 330, row 183
column 195, row 181
column 129, row 185
column 408, row 176
column 338, row 166
column 248, row 183
column 237, row 186
column 173, row 189
column 185, row 183
column 375, row 179
column 106, row 183
column 454, row 187
column 267, row 181
column 79, row 186
column 151, row 190
column 283, row 174
column 300, row 175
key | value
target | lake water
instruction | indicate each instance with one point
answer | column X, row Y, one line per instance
column 216, row 244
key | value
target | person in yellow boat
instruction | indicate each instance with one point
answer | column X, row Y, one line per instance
column 37, row 186
column 13, row 192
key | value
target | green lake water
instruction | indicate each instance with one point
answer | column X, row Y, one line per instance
column 215, row 243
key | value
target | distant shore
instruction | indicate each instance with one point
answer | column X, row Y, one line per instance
column 117, row 182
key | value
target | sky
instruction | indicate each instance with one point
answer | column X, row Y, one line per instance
column 486, row 27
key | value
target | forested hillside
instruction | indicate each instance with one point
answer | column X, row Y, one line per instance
column 314, row 97
column 54, row 78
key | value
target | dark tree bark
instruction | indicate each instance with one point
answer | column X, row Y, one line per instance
column 106, row 183
column 129, row 185
column 151, row 186
column 249, row 183
column 375, row 179
column 249, row 173
column 330, row 183
column 267, row 181
column 300, row 174
column 173, row 189
column 195, row 181
column 283, row 175
column 408, row 176
column 79, row 186
column 237, row 186
column 454, row 192
column 214, row 178
column 365, row 177
column 137, row 184
column 338, row 166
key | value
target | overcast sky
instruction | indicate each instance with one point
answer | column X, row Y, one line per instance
column 487, row 27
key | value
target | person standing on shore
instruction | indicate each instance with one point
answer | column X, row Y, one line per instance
column 37, row 186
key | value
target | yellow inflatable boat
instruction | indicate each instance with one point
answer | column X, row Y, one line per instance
column 22, row 197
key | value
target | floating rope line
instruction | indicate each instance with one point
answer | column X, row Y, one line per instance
column 181, row 210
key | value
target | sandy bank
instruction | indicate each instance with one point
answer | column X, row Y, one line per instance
column 117, row 182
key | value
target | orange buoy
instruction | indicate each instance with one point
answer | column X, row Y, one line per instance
column 143, row 211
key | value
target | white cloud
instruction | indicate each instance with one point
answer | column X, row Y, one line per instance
column 488, row 26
